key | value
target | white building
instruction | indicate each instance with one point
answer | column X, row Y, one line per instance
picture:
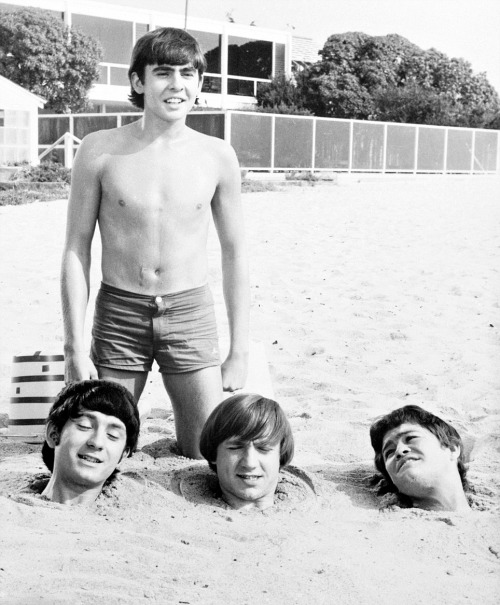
column 239, row 57
column 18, row 123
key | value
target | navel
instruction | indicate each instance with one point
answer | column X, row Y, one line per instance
column 121, row 202
column 199, row 206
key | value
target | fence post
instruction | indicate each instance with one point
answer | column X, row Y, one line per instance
column 417, row 133
column 384, row 148
column 445, row 154
column 273, row 134
column 68, row 150
column 473, row 152
column 313, row 159
column 351, row 145
column 227, row 125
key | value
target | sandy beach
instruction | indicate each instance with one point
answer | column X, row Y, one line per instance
column 367, row 295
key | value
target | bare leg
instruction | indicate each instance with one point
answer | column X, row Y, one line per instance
column 193, row 396
column 133, row 381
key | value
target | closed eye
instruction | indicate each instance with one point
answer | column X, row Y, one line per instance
column 388, row 452
column 411, row 438
column 83, row 427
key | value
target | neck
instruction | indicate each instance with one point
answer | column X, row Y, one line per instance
column 60, row 492
column 153, row 128
column 449, row 498
column 238, row 504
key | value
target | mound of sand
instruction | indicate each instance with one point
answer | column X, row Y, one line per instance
column 366, row 296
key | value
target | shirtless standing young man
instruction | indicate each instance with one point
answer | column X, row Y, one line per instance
column 152, row 187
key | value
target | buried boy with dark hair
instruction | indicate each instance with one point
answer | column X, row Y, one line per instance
column 421, row 459
column 247, row 440
column 91, row 427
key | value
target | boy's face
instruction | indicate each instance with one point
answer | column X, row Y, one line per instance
column 248, row 472
column 88, row 449
column 415, row 459
column 169, row 91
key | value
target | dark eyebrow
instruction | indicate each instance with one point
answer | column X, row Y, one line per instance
column 397, row 436
column 168, row 67
column 236, row 441
column 115, row 425
column 90, row 416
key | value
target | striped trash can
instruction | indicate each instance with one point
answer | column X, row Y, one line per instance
column 36, row 380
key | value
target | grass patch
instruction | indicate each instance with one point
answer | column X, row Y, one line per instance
column 16, row 193
column 251, row 186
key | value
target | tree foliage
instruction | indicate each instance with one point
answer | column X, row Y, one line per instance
column 388, row 78
column 41, row 54
column 282, row 95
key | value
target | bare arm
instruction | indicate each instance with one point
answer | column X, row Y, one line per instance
column 228, row 218
column 83, row 209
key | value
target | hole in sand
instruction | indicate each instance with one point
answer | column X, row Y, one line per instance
column 199, row 485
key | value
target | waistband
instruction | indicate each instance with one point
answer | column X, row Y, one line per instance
column 150, row 297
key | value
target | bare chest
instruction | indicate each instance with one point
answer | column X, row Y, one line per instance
column 145, row 187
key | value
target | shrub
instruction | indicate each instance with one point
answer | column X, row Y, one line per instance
column 47, row 172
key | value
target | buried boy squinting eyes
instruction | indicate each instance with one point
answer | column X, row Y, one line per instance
column 247, row 440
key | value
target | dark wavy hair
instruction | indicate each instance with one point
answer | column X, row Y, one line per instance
column 101, row 396
column 163, row 46
column 414, row 414
column 247, row 416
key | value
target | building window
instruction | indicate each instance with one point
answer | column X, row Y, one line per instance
column 140, row 30
column 211, row 84
column 240, row 87
column 210, row 45
column 279, row 59
column 250, row 58
column 116, row 37
column 2, row 118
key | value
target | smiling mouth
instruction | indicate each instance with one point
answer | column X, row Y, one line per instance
column 90, row 459
column 405, row 461
column 174, row 101
column 249, row 477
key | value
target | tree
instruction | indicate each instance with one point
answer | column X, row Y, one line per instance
column 470, row 99
column 282, row 95
column 41, row 54
column 391, row 79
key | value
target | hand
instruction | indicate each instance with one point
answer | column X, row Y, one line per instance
column 234, row 372
column 78, row 366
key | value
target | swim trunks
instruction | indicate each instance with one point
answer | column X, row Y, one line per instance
column 176, row 330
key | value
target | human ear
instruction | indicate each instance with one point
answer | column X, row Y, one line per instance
column 125, row 454
column 52, row 435
column 136, row 82
column 455, row 451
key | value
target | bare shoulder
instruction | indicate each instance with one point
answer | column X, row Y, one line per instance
column 213, row 144
column 222, row 156
column 107, row 141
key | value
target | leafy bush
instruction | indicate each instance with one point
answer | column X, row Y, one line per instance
column 285, row 109
column 46, row 172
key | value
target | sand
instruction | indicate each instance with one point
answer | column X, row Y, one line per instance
column 366, row 295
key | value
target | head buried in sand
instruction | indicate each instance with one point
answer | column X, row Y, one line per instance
column 91, row 427
column 246, row 440
column 421, row 457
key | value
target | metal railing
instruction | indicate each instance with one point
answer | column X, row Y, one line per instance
column 277, row 142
